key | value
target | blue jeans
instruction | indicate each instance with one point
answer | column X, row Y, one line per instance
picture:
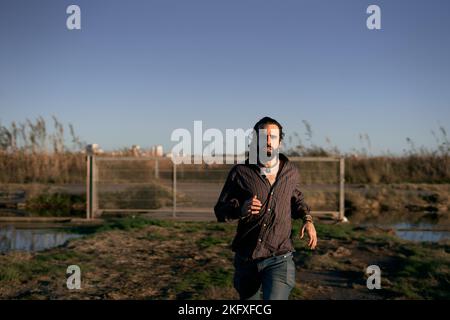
column 274, row 275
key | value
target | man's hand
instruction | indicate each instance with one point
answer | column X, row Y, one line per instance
column 312, row 235
column 252, row 206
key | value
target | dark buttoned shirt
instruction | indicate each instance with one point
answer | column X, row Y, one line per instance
column 269, row 232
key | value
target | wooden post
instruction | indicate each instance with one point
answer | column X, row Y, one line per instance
column 341, row 188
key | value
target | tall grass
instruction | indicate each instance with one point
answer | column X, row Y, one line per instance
column 407, row 169
column 415, row 165
column 34, row 137
column 30, row 152
column 33, row 151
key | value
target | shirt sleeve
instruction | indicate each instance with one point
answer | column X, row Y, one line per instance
column 228, row 206
column 299, row 207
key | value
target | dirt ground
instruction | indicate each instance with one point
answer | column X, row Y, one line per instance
column 155, row 259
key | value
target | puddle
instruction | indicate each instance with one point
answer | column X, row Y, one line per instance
column 419, row 232
column 32, row 239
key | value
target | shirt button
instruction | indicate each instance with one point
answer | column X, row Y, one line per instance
column 260, row 240
column 264, row 224
column 269, row 209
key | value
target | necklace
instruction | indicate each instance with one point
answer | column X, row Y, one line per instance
column 270, row 170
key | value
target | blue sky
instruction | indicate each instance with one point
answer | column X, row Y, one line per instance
column 140, row 69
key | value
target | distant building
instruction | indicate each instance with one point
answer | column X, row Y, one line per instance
column 136, row 150
column 156, row 151
column 93, row 148
column 159, row 151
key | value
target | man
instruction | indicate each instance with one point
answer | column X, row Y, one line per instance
column 264, row 195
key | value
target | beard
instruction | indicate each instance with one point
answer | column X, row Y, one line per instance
column 271, row 152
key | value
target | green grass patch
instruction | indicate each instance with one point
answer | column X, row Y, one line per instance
column 193, row 285
column 131, row 223
column 57, row 204
column 424, row 273
column 296, row 293
column 337, row 231
column 209, row 241
column 154, row 236
column 10, row 272
column 24, row 270
column 125, row 224
column 60, row 255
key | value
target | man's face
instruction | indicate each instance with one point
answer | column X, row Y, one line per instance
column 272, row 138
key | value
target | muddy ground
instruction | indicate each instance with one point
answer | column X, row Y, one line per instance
column 154, row 259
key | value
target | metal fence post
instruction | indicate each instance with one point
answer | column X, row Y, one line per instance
column 342, row 188
column 88, row 186
column 94, row 188
column 156, row 168
column 174, row 208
